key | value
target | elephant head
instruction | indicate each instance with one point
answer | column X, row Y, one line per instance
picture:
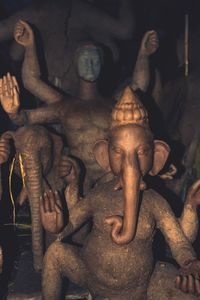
column 130, row 153
column 35, row 148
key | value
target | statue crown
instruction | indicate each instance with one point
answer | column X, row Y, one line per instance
column 129, row 110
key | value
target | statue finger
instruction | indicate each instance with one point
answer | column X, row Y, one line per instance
column 197, row 286
column 178, row 281
column 4, row 146
column 9, row 87
column 154, row 40
column 147, row 35
column 190, row 284
column 4, row 150
column 58, row 201
column 4, row 142
column 26, row 25
column 58, row 208
column 16, row 97
column 42, row 208
column 46, row 203
column 184, row 284
column 51, row 200
column 5, row 87
column 14, row 80
column 18, row 30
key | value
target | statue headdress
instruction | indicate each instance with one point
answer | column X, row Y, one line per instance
column 129, row 110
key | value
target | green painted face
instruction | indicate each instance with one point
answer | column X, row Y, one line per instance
column 89, row 63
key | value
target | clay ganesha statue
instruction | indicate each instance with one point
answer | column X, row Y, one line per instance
column 116, row 260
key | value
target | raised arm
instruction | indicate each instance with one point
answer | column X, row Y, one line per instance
column 52, row 214
column 9, row 96
column 182, row 251
column 24, row 36
column 189, row 219
column 180, row 246
column 141, row 73
column 78, row 215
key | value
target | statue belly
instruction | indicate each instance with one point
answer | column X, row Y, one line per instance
column 115, row 266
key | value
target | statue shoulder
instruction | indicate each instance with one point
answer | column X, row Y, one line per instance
column 158, row 204
column 102, row 191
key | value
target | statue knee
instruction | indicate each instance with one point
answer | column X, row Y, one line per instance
column 54, row 252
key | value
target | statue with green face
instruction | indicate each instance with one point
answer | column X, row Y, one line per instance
column 89, row 62
column 82, row 117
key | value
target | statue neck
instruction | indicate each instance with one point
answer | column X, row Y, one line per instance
column 87, row 90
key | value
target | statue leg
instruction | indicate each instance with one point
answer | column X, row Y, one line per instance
column 61, row 260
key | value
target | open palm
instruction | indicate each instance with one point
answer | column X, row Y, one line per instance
column 9, row 94
column 51, row 212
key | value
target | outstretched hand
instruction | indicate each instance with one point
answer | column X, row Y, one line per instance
column 23, row 34
column 51, row 212
column 9, row 94
column 189, row 279
column 150, row 43
column 193, row 195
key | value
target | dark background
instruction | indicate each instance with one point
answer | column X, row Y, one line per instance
column 164, row 16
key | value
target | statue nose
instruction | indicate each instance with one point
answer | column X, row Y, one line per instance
column 90, row 67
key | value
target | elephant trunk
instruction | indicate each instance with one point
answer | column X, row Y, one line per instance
column 33, row 179
column 124, row 230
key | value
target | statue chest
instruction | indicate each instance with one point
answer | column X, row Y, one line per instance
column 84, row 125
column 82, row 115
column 115, row 207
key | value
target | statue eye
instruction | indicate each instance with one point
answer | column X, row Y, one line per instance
column 117, row 150
column 144, row 151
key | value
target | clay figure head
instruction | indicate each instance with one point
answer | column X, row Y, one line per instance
column 89, row 60
column 130, row 153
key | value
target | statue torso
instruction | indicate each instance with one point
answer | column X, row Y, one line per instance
column 110, row 263
column 84, row 123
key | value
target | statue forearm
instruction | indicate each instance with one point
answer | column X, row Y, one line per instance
column 189, row 222
column 30, row 65
column 78, row 214
column 68, row 230
column 180, row 246
column 141, row 74
column 19, row 118
column 31, row 78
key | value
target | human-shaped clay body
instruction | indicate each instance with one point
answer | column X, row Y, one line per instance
column 83, row 117
column 66, row 24
column 116, row 261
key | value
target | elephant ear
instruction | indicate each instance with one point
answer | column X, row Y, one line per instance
column 161, row 153
column 100, row 152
